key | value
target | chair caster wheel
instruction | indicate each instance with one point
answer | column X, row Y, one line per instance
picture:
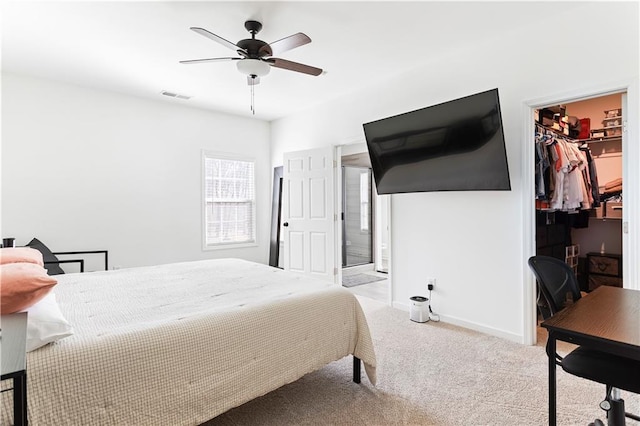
column 605, row 405
column 597, row 422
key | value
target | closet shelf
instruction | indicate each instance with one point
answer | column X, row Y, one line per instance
column 602, row 139
column 607, row 128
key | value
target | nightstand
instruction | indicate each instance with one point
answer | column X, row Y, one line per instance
column 604, row 269
column 13, row 365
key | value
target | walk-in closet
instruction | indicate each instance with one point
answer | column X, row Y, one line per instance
column 579, row 188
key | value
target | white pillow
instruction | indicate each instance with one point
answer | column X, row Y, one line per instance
column 45, row 323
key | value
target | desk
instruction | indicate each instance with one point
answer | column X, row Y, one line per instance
column 607, row 319
column 13, row 347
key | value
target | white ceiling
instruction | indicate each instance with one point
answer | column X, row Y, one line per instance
column 134, row 47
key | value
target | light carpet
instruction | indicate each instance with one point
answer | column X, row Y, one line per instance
column 430, row 374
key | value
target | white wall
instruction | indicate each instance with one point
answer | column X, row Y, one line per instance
column 86, row 170
column 472, row 242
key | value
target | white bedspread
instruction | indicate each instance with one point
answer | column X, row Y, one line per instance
column 179, row 344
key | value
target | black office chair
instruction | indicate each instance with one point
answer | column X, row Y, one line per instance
column 557, row 283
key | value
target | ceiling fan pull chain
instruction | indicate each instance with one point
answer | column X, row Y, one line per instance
column 253, row 109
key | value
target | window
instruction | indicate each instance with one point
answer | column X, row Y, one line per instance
column 229, row 200
column 364, row 201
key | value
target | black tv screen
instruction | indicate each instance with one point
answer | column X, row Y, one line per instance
column 453, row 146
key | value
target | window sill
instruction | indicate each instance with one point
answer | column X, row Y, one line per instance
column 228, row 246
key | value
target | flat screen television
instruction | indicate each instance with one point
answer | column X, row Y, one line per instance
column 453, row 146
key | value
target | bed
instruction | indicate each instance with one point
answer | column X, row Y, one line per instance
column 182, row 343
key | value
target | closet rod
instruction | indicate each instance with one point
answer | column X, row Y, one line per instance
column 549, row 130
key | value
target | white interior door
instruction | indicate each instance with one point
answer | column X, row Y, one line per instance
column 308, row 212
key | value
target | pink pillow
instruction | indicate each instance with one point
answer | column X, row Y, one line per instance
column 22, row 285
column 20, row 254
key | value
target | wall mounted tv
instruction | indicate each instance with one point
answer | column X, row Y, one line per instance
column 453, row 146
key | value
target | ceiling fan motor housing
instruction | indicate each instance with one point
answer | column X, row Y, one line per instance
column 252, row 46
column 255, row 48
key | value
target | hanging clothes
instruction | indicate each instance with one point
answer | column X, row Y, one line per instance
column 542, row 165
column 578, row 185
column 565, row 174
column 593, row 176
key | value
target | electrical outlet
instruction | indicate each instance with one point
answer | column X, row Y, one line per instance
column 431, row 283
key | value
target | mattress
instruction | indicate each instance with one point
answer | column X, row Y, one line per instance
column 182, row 343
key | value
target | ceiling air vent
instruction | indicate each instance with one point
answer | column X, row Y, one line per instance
column 175, row 95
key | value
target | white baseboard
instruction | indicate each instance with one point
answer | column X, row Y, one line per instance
column 470, row 325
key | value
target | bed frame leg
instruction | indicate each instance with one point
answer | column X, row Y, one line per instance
column 356, row 369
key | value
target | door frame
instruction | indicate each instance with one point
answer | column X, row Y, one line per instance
column 630, row 178
column 342, row 217
column 338, row 204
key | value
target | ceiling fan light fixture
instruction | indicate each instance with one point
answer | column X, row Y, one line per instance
column 253, row 67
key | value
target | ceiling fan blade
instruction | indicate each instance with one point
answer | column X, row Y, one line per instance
column 200, row 61
column 214, row 37
column 284, row 44
column 252, row 81
column 294, row 66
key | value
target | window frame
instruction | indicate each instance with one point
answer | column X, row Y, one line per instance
column 203, row 181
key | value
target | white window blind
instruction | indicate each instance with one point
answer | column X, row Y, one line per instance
column 229, row 200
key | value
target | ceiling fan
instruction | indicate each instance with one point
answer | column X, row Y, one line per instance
column 256, row 56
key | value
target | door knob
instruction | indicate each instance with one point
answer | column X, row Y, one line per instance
column 285, row 224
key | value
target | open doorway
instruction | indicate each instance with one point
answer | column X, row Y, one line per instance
column 357, row 227
column 583, row 227
column 364, row 227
